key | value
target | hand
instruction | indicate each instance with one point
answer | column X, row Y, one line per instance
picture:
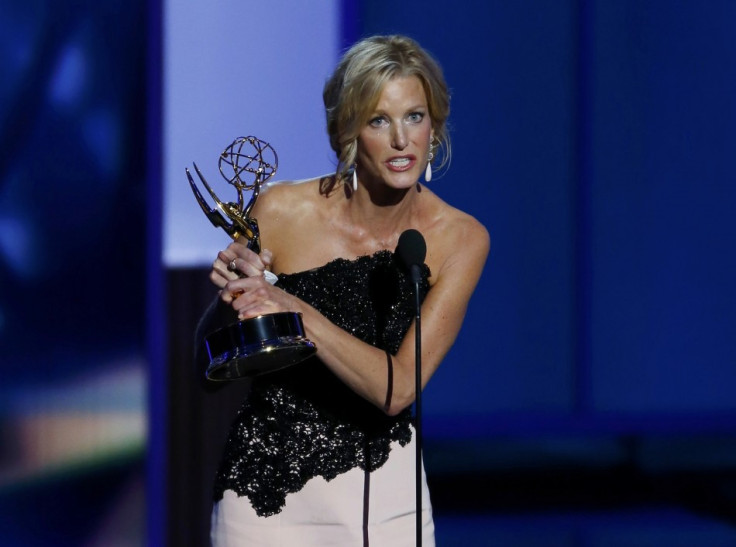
column 254, row 296
column 238, row 261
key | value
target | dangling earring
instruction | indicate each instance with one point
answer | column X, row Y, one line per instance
column 428, row 170
column 355, row 180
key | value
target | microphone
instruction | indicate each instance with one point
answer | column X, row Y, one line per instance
column 412, row 250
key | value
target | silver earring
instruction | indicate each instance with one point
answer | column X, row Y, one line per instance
column 355, row 180
column 428, row 170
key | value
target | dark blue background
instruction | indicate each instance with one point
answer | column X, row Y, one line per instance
column 594, row 139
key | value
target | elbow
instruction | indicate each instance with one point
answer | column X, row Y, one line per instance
column 394, row 410
column 398, row 402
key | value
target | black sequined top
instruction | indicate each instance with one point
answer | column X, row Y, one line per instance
column 302, row 422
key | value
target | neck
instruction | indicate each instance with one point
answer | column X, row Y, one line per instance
column 382, row 215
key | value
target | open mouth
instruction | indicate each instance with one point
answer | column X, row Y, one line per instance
column 400, row 163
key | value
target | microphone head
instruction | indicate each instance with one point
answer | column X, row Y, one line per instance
column 411, row 249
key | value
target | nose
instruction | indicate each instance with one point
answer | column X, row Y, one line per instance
column 398, row 137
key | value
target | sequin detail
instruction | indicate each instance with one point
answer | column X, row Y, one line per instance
column 303, row 422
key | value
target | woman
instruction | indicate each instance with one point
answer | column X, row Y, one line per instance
column 322, row 453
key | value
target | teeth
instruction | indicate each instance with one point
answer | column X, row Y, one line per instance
column 402, row 162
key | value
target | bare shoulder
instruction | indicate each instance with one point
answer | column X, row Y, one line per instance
column 286, row 198
column 290, row 217
column 457, row 240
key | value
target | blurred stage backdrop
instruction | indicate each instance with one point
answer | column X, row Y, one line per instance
column 590, row 399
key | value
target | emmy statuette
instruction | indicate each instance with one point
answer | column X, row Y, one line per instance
column 268, row 342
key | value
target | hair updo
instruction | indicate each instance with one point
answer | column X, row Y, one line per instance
column 352, row 92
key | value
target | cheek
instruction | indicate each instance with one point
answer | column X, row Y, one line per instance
column 369, row 146
column 427, row 132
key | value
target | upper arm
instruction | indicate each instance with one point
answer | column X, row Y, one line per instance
column 274, row 211
column 443, row 310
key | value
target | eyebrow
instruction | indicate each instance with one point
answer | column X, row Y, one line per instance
column 410, row 109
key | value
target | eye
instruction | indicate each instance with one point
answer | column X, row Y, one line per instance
column 416, row 117
column 378, row 121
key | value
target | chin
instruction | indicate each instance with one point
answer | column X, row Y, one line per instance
column 401, row 181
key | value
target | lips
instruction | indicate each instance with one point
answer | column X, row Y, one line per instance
column 401, row 163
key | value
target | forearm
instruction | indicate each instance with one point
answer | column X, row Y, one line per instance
column 371, row 372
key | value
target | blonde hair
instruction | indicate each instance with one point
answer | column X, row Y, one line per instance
column 352, row 92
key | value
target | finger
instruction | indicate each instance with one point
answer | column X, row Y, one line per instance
column 250, row 269
column 250, row 265
column 220, row 276
column 266, row 258
column 241, row 291
column 256, row 309
column 225, row 264
column 251, row 287
column 239, row 248
column 225, row 296
column 248, row 291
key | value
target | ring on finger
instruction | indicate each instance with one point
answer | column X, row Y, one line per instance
column 231, row 267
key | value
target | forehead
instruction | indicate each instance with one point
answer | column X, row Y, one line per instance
column 402, row 92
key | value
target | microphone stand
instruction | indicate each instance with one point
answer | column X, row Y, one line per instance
column 416, row 276
column 412, row 250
